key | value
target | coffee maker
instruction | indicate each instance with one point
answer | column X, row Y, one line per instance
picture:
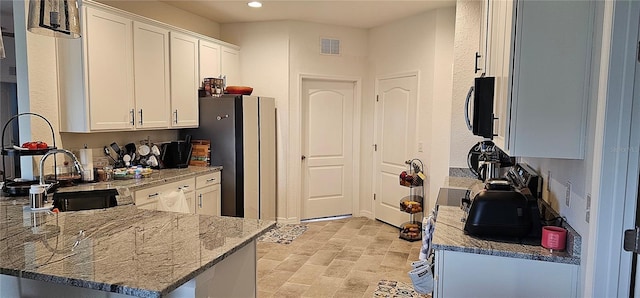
column 487, row 161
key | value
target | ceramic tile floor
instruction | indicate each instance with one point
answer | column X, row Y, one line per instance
column 335, row 258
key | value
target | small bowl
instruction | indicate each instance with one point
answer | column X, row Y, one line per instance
column 242, row 90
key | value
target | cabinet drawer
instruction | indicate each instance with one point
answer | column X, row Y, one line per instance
column 152, row 194
column 208, row 179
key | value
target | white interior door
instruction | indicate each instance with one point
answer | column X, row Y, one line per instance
column 397, row 100
column 327, row 148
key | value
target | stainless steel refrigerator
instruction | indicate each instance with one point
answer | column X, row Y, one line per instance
column 242, row 131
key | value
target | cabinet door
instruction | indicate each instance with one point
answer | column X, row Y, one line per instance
column 501, row 65
column 209, row 60
column 184, row 80
column 481, row 62
column 109, row 58
column 551, row 78
column 191, row 201
column 495, row 276
column 151, row 73
column 208, row 200
column 230, row 66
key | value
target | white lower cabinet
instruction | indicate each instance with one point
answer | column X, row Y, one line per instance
column 148, row 198
column 207, row 194
column 460, row 274
column 202, row 194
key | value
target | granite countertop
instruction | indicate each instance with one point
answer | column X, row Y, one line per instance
column 449, row 235
column 127, row 186
column 122, row 249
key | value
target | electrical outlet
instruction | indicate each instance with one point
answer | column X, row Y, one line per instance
column 567, row 193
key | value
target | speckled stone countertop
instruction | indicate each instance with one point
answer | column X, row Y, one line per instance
column 123, row 249
column 449, row 235
column 127, row 186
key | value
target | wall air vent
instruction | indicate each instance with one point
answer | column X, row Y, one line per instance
column 330, row 46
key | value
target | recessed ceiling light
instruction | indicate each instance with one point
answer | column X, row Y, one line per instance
column 254, row 4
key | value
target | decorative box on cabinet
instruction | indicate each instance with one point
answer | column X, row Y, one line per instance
column 541, row 60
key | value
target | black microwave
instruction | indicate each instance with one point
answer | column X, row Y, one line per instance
column 481, row 122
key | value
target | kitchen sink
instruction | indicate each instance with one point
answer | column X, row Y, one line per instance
column 85, row 200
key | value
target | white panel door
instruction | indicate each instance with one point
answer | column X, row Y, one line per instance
column 151, row 73
column 327, row 128
column 395, row 139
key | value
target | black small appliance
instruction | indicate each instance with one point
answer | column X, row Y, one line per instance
column 481, row 122
column 176, row 154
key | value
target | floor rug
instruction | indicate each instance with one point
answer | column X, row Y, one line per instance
column 391, row 288
column 283, row 234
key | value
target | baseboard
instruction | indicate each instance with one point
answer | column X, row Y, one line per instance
column 288, row 221
column 367, row 214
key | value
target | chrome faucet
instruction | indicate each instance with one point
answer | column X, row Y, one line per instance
column 76, row 163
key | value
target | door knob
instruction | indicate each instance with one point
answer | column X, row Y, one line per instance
column 304, row 157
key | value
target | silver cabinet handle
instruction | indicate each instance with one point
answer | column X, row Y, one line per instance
column 176, row 116
column 183, row 187
column 154, row 195
column 200, row 203
column 210, row 180
column 140, row 116
column 466, row 108
column 133, row 116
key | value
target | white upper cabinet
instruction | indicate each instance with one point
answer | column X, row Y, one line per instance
column 184, row 80
column 127, row 72
column 209, row 60
column 97, row 94
column 230, row 66
column 541, row 59
column 151, row 70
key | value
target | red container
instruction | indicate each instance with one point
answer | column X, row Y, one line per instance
column 554, row 237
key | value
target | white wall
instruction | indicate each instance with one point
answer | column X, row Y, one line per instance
column 467, row 36
column 422, row 43
column 306, row 59
column 168, row 14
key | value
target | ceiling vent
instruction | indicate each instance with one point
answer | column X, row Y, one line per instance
column 330, row 46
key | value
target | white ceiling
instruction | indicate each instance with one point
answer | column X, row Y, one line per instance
column 358, row 14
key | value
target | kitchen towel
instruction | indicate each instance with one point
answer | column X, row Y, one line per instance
column 174, row 201
column 428, row 224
